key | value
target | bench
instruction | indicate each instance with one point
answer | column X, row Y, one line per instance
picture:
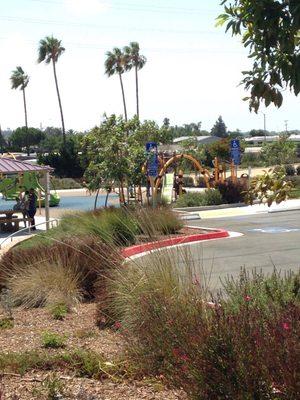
column 12, row 224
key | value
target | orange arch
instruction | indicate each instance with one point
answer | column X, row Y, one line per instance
column 177, row 157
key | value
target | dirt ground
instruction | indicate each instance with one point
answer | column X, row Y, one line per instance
column 80, row 333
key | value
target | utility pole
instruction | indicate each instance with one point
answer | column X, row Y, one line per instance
column 286, row 125
column 265, row 125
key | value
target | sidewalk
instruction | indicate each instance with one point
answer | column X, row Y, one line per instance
column 237, row 211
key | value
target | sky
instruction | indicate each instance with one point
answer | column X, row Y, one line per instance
column 192, row 72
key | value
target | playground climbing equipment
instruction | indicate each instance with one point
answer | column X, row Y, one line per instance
column 11, row 186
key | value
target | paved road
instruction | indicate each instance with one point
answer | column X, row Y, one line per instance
column 268, row 240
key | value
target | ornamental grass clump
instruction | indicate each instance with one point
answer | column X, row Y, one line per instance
column 242, row 345
column 64, row 272
column 152, row 222
column 45, row 283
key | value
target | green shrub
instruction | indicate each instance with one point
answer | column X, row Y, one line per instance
column 213, row 350
column 83, row 363
column 290, row 170
column 208, row 198
column 265, row 293
column 65, row 183
column 59, row 311
column 232, row 192
column 54, row 387
column 252, row 160
column 6, row 323
column 53, row 340
column 188, row 181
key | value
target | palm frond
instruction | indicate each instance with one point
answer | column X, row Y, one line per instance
column 19, row 79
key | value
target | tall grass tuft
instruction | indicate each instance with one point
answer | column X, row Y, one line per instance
column 44, row 284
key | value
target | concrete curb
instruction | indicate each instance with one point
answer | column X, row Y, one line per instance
column 208, row 208
column 197, row 237
column 284, row 210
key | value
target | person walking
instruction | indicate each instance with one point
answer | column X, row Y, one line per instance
column 32, row 207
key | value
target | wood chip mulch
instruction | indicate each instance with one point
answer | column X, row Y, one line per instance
column 81, row 333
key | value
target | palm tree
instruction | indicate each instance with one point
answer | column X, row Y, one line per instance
column 115, row 64
column 19, row 80
column 134, row 60
column 49, row 51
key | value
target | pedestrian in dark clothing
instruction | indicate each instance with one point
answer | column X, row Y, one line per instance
column 32, row 207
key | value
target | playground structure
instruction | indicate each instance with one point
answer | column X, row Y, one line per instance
column 11, row 186
column 164, row 184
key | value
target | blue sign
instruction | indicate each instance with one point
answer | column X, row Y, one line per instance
column 235, row 151
column 152, row 159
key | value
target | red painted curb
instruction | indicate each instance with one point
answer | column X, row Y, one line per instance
column 141, row 248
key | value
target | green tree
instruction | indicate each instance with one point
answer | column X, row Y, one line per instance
column 25, row 137
column 107, row 151
column 20, row 80
column 3, row 143
column 271, row 31
column 279, row 152
column 134, row 60
column 219, row 129
column 270, row 187
column 116, row 152
column 67, row 162
column 115, row 64
column 258, row 132
column 50, row 50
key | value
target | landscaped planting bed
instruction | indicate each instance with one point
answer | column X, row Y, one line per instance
column 80, row 321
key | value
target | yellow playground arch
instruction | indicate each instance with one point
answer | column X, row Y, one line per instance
column 178, row 157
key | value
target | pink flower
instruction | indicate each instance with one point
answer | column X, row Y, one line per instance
column 184, row 368
column 247, row 298
column 196, row 280
column 184, row 357
column 275, row 390
column 286, row 326
column 176, row 352
column 118, row 325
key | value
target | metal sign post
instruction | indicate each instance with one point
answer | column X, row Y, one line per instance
column 235, row 152
column 152, row 167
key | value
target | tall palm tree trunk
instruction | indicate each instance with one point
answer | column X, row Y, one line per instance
column 59, row 102
column 25, row 108
column 123, row 95
column 137, row 93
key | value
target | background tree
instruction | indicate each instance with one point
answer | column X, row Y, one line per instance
column 50, row 50
column 219, row 129
column 25, row 138
column 115, row 64
column 134, row 60
column 68, row 162
column 279, row 152
column 258, row 132
column 271, row 31
column 116, row 152
column 20, row 80
column 3, row 143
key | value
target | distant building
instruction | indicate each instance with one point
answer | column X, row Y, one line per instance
column 258, row 140
column 200, row 139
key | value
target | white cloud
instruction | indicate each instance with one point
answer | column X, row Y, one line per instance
column 86, row 7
